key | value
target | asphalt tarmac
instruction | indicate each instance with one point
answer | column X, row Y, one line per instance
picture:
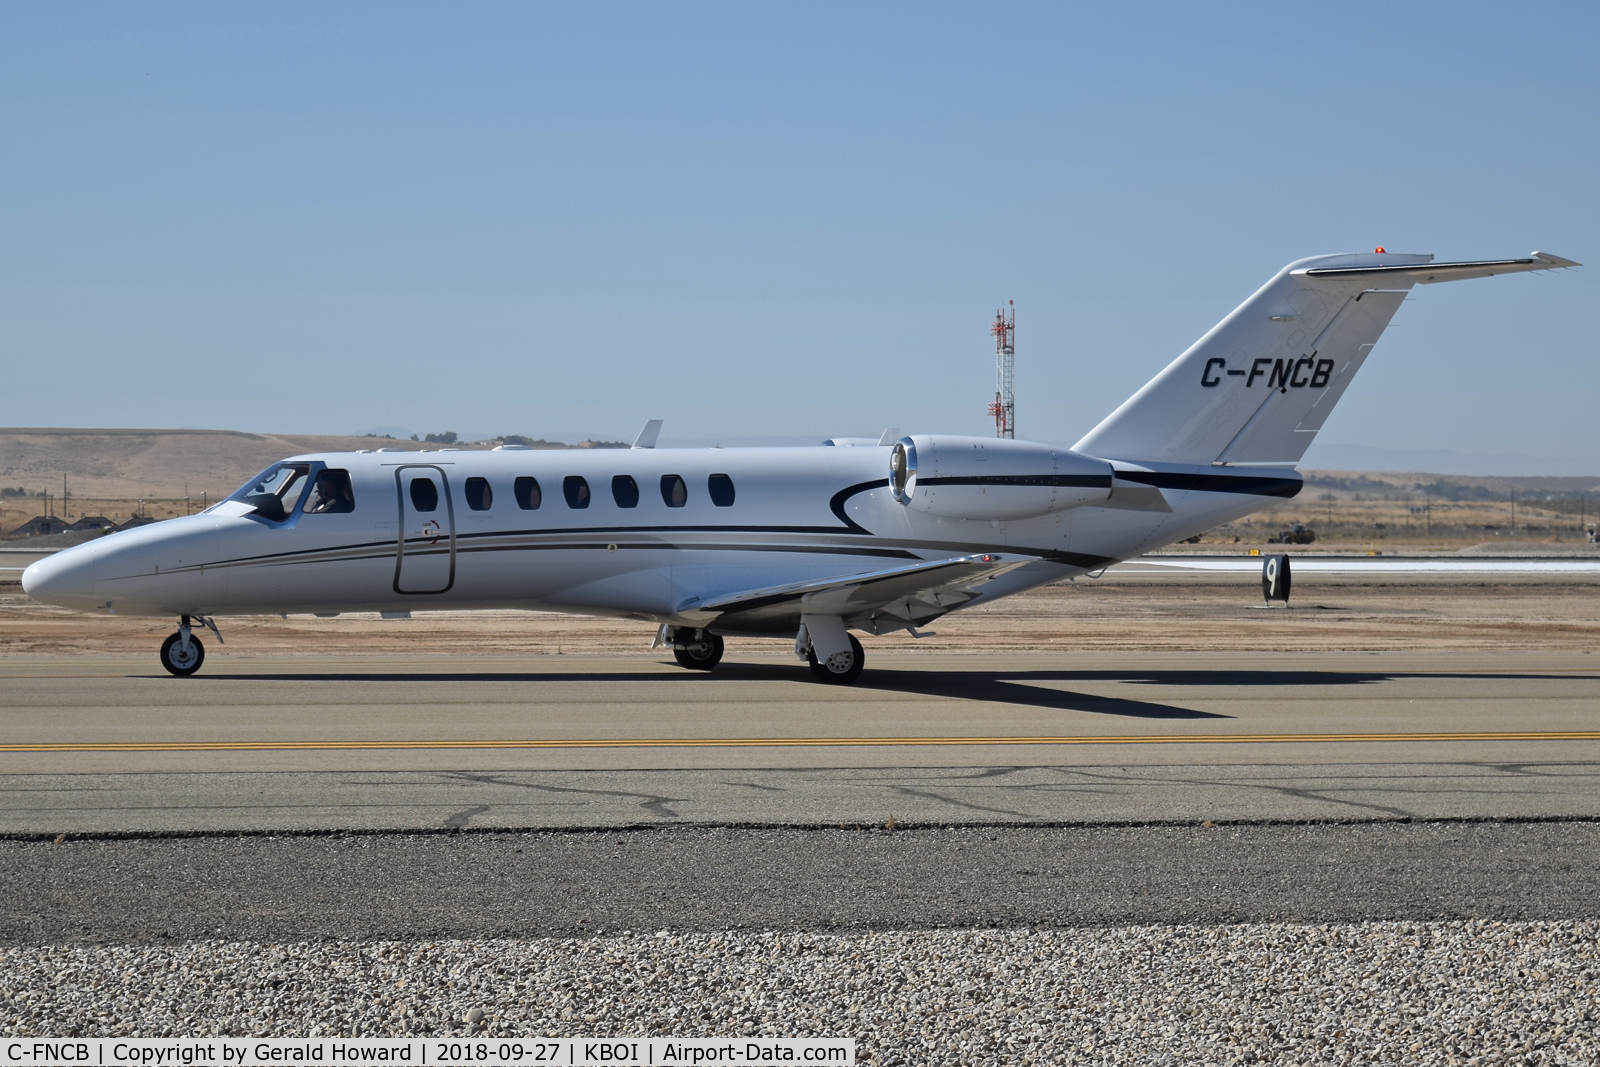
column 107, row 744
column 423, row 887
column 284, row 798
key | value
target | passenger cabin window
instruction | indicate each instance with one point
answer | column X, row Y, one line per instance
column 673, row 491
column 526, row 490
column 576, row 490
column 276, row 493
column 479, row 495
column 625, row 491
column 720, row 486
column 330, row 493
column 424, row 494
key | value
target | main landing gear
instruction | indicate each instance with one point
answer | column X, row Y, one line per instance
column 182, row 653
column 698, row 650
column 701, row 650
column 840, row 668
column 832, row 652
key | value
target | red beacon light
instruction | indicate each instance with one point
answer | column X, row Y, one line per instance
column 1379, row 250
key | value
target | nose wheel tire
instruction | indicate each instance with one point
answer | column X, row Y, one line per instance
column 703, row 658
column 841, row 668
column 180, row 661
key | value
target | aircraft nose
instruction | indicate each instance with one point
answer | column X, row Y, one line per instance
column 65, row 578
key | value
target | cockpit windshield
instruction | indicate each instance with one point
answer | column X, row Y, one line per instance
column 276, row 492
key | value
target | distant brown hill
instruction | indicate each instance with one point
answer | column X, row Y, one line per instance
column 124, row 464
column 1451, row 486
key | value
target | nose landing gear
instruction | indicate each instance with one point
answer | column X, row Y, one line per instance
column 182, row 653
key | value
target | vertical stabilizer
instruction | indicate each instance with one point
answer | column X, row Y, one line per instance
column 1260, row 384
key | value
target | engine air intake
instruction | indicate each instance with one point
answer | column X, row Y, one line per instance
column 991, row 478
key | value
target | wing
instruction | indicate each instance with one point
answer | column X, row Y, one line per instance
column 876, row 601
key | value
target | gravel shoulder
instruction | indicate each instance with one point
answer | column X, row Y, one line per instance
column 1326, row 993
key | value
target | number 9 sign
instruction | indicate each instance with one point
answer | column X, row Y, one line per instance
column 1275, row 578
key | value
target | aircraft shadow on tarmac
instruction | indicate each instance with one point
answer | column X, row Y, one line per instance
column 1028, row 688
column 1293, row 677
column 1034, row 688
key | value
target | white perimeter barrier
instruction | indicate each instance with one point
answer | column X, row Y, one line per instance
column 1376, row 567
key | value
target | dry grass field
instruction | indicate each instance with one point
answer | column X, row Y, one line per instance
column 161, row 473
column 1427, row 512
column 153, row 464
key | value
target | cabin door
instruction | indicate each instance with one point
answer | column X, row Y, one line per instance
column 425, row 558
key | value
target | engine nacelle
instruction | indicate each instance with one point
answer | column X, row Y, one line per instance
column 992, row 478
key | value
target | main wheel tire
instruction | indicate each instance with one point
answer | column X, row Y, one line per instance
column 841, row 668
column 173, row 659
column 701, row 661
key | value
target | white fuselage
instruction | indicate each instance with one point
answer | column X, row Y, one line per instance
column 797, row 514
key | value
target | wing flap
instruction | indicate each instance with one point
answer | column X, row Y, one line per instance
column 911, row 593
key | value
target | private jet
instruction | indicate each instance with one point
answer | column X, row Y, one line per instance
column 810, row 545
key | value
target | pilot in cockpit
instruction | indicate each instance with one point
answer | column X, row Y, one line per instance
column 331, row 493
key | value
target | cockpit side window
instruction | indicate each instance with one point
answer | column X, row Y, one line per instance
column 277, row 492
column 330, row 493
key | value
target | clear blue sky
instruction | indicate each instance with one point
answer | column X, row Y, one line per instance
column 757, row 220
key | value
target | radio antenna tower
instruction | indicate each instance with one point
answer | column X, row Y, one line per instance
column 1004, row 408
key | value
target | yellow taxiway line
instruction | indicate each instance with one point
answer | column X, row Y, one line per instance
column 795, row 742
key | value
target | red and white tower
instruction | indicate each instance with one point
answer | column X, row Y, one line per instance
column 1004, row 408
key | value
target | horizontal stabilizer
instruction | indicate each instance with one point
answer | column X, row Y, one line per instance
column 1429, row 273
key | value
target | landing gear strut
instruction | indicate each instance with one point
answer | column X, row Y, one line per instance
column 182, row 653
column 699, row 650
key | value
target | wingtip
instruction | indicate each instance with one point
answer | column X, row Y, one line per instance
column 1556, row 261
